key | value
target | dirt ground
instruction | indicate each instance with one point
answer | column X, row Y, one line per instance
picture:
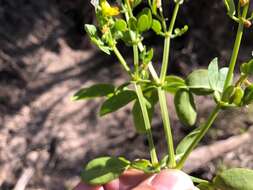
column 45, row 58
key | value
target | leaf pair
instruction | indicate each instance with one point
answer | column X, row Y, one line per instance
column 145, row 21
column 103, row 170
column 230, row 5
column 231, row 179
column 93, row 34
column 204, row 82
column 116, row 98
column 185, row 107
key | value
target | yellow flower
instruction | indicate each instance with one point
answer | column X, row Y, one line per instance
column 107, row 10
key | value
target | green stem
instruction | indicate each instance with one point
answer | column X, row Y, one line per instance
column 167, row 43
column 236, row 48
column 200, row 135
column 167, row 128
column 122, row 60
column 144, row 110
column 136, row 59
column 162, row 94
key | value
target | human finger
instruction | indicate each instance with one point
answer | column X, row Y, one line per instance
column 82, row 186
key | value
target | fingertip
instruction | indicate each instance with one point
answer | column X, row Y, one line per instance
column 82, row 186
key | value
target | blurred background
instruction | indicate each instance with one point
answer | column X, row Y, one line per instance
column 45, row 57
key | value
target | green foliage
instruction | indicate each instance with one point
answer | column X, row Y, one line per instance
column 213, row 73
column 146, row 56
column 92, row 33
column 103, row 170
column 117, row 101
column 150, row 100
column 156, row 26
column 143, row 165
column 222, row 77
column 247, row 68
column 205, row 186
column 186, row 142
column 136, row 3
column 180, row 31
column 173, row 83
column 248, row 95
column 234, row 179
column 120, row 25
column 237, row 96
column 198, row 82
column 230, row 5
column 97, row 90
column 185, row 107
column 144, row 22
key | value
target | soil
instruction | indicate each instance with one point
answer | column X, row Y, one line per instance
column 45, row 58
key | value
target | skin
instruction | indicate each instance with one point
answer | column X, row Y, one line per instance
column 137, row 180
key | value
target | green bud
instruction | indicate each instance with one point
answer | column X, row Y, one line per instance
column 237, row 97
column 228, row 94
column 247, row 68
column 248, row 95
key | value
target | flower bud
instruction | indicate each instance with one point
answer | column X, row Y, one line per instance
column 244, row 2
column 237, row 97
column 158, row 3
column 247, row 23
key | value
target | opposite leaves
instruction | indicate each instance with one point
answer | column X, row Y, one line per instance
column 117, row 101
column 185, row 107
column 97, row 90
column 230, row 5
column 234, row 179
column 103, row 170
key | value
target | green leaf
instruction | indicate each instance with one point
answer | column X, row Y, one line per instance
column 198, row 180
column 97, row 90
column 143, row 23
column 222, row 78
column 120, row 25
column 136, row 3
column 198, row 82
column 228, row 93
column 144, row 20
column 156, row 26
column 205, row 186
column 103, row 170
column 117, row 101
column 185, row 107
column 230, row 5
column 143, row 165
column 138, row 119
column 146, row 56
column 146, row 11
column 248, row 95
column 90, row 29
column 173, row 83
column 237, row 96
column 185, row 143
column 164, row 161
column 247, row 68
column 92, row 33
column 133, row 24
column 213, row 73
column 234, row 179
